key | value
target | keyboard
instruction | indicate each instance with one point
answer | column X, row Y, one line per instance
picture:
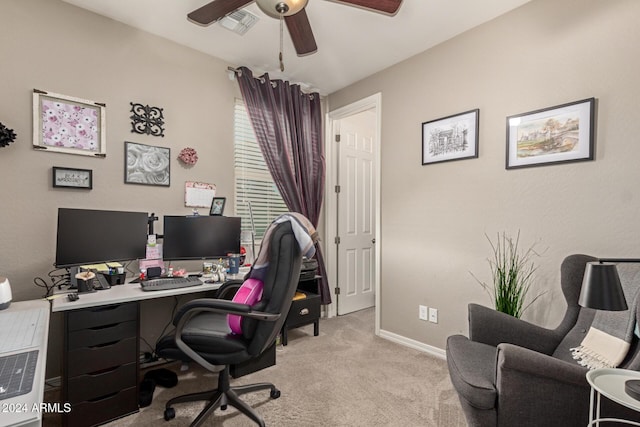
column 17, row 372
column 164, row 283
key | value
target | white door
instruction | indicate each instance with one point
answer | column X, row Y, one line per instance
column 356, row 222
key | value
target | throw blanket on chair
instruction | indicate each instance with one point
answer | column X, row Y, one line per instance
column 306, row 236
column 609, row 337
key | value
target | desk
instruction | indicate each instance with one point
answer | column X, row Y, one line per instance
column 19, row 410
column 609, row 382
column 101, row 362
column 130, row 292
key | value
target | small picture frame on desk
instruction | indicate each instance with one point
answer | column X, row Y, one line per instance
column 217, row 206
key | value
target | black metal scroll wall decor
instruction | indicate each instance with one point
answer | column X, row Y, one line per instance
column 146, row 119
column 7, row 136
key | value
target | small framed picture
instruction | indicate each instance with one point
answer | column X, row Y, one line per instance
column 450, row 138
column 217, row 205
column 72, row 178
column 560, row 134
column 146, row 164
column 66, row 124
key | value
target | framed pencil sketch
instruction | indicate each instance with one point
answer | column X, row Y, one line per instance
column 146, row 164
column 560, row 134
column 450, row 138
column 66, row 124
column 217, row 205
column 72, row 178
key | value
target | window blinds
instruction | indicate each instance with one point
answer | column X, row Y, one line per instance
column 253, row 181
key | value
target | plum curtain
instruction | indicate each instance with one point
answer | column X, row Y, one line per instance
column 288, row 126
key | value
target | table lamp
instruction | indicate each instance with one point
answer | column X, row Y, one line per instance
column 601, row 287
column 602, row 290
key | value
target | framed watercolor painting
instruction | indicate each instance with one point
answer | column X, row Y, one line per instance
column 560, row 134
column 65, row 124
column 450, row 138
column 146, row 164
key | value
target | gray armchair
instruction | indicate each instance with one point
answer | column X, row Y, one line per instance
column 513, row 373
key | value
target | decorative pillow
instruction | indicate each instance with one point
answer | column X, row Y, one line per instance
column 250, row 292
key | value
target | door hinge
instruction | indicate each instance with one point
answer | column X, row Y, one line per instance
column 337, row 137
column 337, row 240
column 337, row 189
column 337, row 290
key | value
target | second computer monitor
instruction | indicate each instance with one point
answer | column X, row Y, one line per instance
column 200, row 237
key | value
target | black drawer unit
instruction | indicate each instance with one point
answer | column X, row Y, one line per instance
column 303, row 312
column 100, row 368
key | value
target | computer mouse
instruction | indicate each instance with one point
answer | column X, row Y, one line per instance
column 73, row 296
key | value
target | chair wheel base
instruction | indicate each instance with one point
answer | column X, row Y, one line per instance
column 169, row 414
column 275, row 393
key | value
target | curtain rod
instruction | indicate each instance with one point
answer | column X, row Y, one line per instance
column 237, row 71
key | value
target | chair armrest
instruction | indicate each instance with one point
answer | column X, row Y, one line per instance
column 213, row 305
column 528, row 362
column 536, row 389
column 193, row 307
column 492, row 327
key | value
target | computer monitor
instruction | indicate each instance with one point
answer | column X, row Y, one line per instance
column 87, row 236
column 200, row 237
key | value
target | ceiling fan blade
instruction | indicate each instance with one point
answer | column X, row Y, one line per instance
column 385, row 6
column 217, row 9
column 301, row 34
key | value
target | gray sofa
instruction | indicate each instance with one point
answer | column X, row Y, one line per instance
column 513, row 373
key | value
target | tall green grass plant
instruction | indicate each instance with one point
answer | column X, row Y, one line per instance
column 513, row 271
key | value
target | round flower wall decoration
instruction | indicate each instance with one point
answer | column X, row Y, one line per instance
column 188, row 156
column 7, row 136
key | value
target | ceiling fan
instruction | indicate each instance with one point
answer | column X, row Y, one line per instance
column 292, row 11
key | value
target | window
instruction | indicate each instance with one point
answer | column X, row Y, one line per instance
column 253, row 181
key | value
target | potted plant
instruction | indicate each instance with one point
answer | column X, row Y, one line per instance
column 512, row 273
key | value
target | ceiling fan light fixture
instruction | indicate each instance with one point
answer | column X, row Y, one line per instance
column 276, row 8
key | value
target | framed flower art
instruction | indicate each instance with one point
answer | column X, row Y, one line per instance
column 66, row 124
column 146, row 164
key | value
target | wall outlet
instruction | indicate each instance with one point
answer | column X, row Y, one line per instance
column 422, row 312
column 433, row 315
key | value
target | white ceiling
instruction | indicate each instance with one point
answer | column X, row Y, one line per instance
column 353, row 43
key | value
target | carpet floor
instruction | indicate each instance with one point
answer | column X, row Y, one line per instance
column 344, row 377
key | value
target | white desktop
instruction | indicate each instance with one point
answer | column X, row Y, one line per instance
column 130, row 292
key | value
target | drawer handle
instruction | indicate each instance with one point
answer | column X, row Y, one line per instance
column 97, row 328
column 105, row 344
column 304, row 312
column 108, row 396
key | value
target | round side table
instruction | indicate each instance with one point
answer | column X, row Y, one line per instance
column 609, row 382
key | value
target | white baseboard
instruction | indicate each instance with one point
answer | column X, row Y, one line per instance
column 417, row 345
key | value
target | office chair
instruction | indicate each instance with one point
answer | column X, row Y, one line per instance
column 203, row 334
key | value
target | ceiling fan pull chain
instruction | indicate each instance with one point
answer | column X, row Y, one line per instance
column 281, row 42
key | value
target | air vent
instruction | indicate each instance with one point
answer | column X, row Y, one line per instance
column 239, row 21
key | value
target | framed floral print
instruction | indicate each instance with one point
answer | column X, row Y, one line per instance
column 146, row 164
column 66, row 124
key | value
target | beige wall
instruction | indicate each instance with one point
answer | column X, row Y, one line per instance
column 53, row 46
column 434, row 217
